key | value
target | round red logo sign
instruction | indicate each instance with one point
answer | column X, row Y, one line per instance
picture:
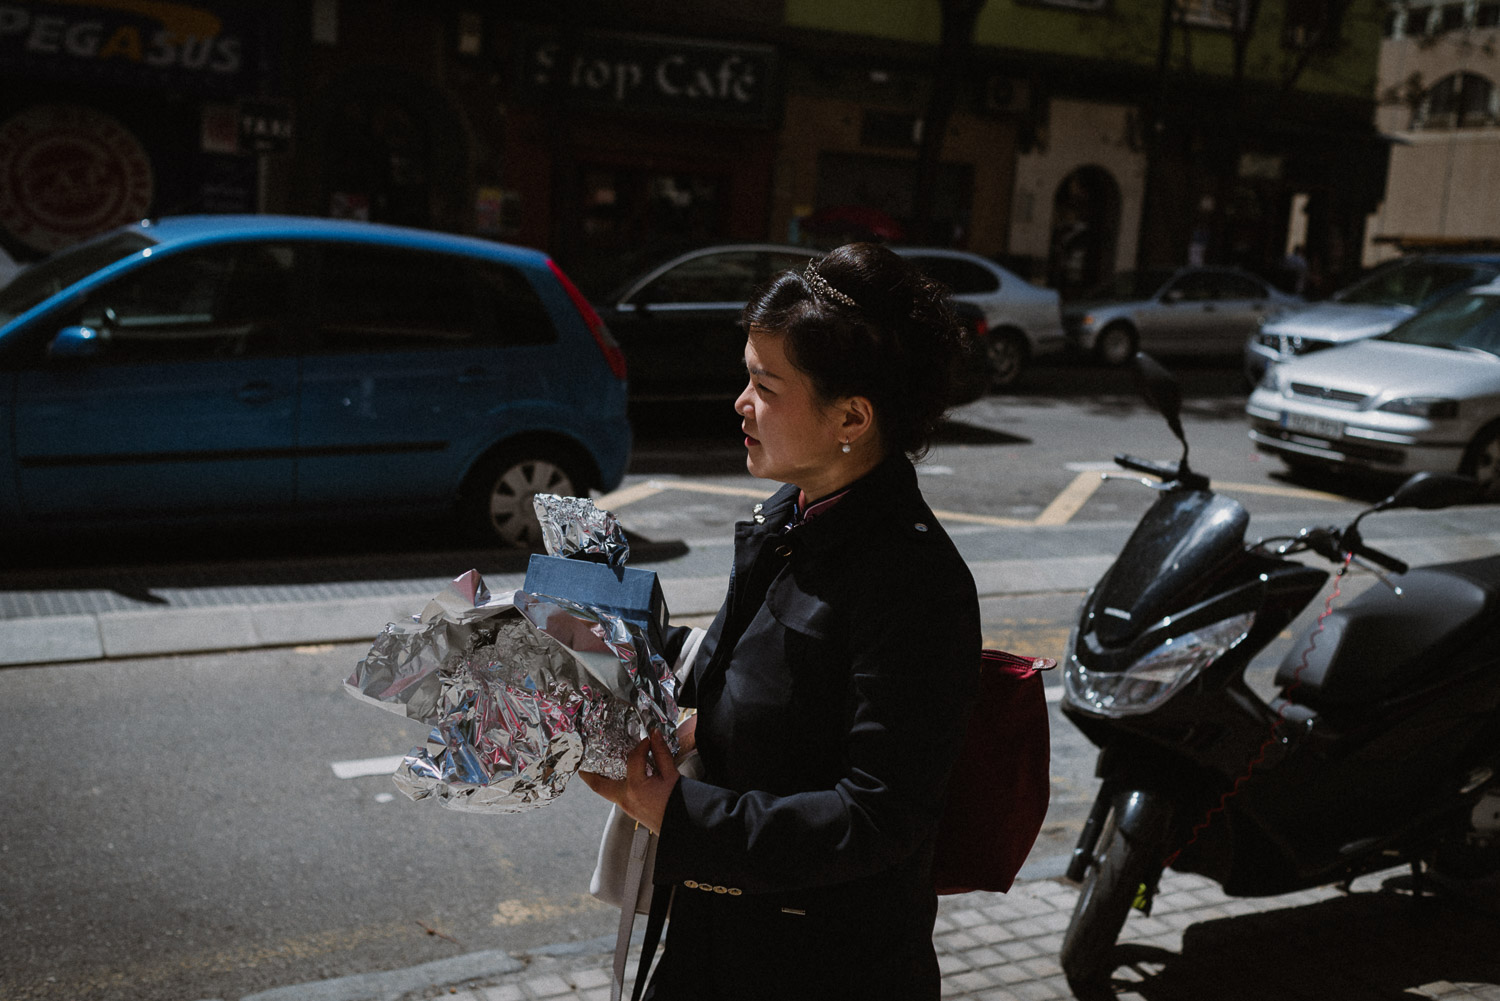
column 68, row 172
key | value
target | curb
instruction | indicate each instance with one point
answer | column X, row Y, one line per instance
column 394, row 984
column 216, row 628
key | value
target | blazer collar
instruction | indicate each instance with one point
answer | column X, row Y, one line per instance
column 882, row 492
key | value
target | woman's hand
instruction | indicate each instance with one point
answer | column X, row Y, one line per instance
column 642, row 796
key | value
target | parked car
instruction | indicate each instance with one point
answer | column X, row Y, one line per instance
column 1423, row 396
column 1172, row 311
column 679, row 322
column 279, row 366
column 1370, row 306
column 1024, row 320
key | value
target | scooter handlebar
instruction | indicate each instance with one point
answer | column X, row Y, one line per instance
column 1163, row 470
column 1381, row 559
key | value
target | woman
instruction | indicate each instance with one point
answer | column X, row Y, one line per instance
column 833, row 687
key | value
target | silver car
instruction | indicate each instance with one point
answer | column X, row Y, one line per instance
column 1025, row 321
column 1172, row 311
column 1423, row 396
column 1371, row 306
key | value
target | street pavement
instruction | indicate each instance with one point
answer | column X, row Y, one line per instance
column 1374, row 942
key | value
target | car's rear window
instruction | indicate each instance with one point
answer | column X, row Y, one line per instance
column 371, row 298
column 516, row 314
column 48, row 277
column 962, row 277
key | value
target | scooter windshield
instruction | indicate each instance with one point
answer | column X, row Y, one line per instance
column 1172, row 553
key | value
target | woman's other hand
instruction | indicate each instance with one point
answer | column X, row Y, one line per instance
column 642, row 796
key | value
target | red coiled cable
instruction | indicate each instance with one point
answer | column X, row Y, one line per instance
column 1312, row 643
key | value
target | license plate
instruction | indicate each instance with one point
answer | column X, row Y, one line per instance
column 1306, row 424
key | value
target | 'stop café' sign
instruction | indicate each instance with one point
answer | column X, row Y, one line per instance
column 705, row 80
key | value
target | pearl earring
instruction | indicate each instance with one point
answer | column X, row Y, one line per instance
column 844, row 448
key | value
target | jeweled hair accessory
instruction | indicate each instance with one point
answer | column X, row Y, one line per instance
column 821, row 287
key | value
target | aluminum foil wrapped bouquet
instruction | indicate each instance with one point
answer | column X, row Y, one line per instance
column 521, row 690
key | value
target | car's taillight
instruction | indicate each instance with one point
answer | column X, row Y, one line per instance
column 591, row 319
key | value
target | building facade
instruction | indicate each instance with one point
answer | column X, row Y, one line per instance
column 1069, row 138
column 1439, row 99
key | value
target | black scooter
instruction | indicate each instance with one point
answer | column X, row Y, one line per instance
column 1381, row 747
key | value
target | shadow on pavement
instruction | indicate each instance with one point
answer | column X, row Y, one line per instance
column 1373, row 945
column 1069, row 377
column 136, row 569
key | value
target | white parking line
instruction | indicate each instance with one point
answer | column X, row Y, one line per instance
column 366, row 766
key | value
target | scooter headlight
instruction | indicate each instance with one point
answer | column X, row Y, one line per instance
column 1152, row 679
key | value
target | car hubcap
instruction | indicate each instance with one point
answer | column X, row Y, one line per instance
column 1116, row 346
column 1005, row 359
column 511, row 511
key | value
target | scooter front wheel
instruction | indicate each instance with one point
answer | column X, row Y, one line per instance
column 1120, row 867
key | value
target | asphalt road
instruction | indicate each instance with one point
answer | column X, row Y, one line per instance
column 175, row 827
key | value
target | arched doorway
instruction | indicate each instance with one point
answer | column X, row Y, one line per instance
column 1085, row 230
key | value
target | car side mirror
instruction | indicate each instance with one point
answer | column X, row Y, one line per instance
column 75, row 343
column 1172, row 295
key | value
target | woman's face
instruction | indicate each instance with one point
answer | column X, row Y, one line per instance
column 790, row 434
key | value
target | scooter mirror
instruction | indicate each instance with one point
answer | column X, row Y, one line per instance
column 1161, row 390
column 1429, row 491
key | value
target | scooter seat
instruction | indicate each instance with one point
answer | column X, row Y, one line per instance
column 1381, row 642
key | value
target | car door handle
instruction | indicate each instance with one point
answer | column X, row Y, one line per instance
column 256, row 392
column 474, row 373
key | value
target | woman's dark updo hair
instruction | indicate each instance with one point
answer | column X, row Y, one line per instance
column 899, row 345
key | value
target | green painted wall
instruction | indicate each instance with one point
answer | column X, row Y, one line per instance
column 1125, row 33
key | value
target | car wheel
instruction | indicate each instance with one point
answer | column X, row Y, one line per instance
column 1006, row 355
column 1115, row 345
column 1482, row 462
column 498, row 505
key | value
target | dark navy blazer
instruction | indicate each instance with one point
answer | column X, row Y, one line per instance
column 832, row 691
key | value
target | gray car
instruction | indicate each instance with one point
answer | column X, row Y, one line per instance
column 1172, row 311
column 1370, row 306
column 1024, row 320
column 1423, row 396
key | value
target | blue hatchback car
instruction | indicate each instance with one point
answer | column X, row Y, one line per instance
column 202, row 367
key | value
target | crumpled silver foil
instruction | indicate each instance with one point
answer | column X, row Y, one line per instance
column 574, row 525
column 521, row 690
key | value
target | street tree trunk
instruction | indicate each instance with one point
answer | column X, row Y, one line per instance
column 951, row 69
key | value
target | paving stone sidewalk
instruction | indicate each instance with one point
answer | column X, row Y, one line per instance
column 1375, row 942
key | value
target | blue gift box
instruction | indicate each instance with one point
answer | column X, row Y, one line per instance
column 632, row 594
